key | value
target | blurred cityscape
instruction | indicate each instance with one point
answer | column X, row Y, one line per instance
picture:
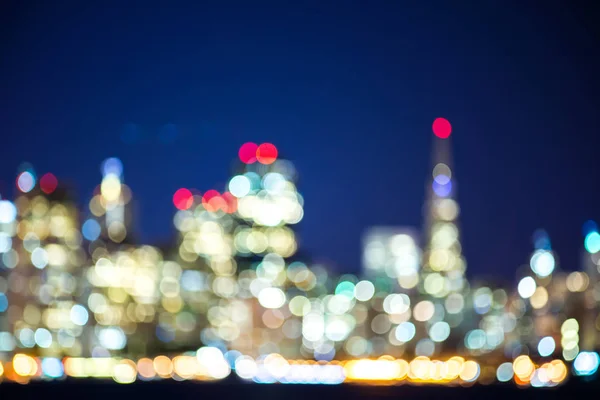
column 79, row 297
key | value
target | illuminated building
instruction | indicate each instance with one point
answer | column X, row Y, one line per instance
column 111, row 209
column 391, row 259
column 45, row 270
column 588, row 283
column 205, row 270
column 267, row 203
column 232, row 293
column 8, row 261
column 392, row 254
column 442, row 283
column 123, row 300
column 539, row 304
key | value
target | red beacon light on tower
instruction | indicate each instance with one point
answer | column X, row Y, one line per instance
column 250, row 153
column 442, row 128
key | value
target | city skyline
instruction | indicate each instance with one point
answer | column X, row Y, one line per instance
column 349, row 96
column 233, row 293
column 166, row 240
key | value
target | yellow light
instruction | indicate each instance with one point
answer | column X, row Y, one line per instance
column 185, row 366
column 557, row 371
column 470, row 371
column 111, row 188
column 163, row 366
column 403, row 369
column 125, row 372
column 420, row 368
column 454, row 367
column 539, row 298
column 523, row 368
column 24, row 365
column 373, row 370
column 145, row 368
column 75, row 367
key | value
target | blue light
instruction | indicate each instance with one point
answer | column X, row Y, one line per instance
column 541, row 240
column 3, row 302
column 112, row 166
column 592, row 242
column 589, row 226
column 91, row 230
column 546, row 346
column 52, row 367
column 442, row 190
column 586, row 363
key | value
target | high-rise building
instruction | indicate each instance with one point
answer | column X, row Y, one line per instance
column 442, row 281
column 393, row 254
column 45, row 260
column 111, row 207
column 8, row 261
column 268, row 205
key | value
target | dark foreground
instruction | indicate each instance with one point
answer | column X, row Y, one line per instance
column 170, row 390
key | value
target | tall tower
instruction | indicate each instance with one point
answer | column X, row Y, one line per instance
column 442, row 282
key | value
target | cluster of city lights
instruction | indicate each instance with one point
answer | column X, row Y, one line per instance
column 231, row 296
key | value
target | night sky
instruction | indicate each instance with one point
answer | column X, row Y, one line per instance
column 347, row 90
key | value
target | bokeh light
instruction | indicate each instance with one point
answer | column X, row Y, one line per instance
column 592, row 242
column 247, row 153
column 48, row 183
column 26, row 182
column 183, row 199
column 442, row 128
column 266, row 153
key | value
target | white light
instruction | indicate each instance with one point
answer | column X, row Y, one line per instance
column 505, row 372
column 542, row 263
column 213, row 361
column 112, row 338
column 8, row 212
column 364, row 291
column 39, row 258
column 271, row 298
column 405, row 331
column 546, row 346
column 5, row 242
column 274, row 183
column 337, row 330
column 79, row 315
column 396, row 303
column 313, row 326
column 26, row 182
column 526, row 287
column 439, row 331
column 586, row 363
column 43, row 338
column 239, row 186
column 245, row 367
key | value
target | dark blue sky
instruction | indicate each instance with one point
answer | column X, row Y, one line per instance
column 347, row 90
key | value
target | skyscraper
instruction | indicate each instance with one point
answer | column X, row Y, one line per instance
column 442, row 282
column 45, row 262
column 392, row 253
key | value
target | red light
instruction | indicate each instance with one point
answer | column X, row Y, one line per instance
column 230, row 203
column 247, row 153
column 266, row 153
column 48, row 183
column 183, row 199
column 212, row 201
column 442, row 128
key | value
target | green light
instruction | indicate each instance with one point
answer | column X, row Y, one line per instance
column 345, row 288
column 592, row 242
